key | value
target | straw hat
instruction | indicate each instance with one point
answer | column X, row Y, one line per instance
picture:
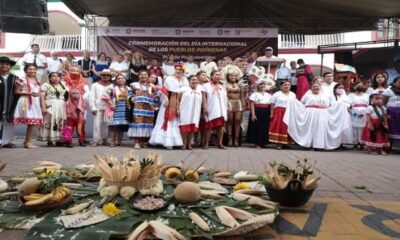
column 8, row 59
column 107, row 72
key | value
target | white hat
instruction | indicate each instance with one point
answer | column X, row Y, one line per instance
column 269, row 49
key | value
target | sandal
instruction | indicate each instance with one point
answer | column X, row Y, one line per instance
column 221, row 146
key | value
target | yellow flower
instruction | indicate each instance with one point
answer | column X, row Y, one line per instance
column 111, row 210
column 241, row 185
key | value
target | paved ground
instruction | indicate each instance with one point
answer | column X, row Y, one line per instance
column 337, row 210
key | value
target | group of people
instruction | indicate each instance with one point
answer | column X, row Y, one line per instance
column 177, row 104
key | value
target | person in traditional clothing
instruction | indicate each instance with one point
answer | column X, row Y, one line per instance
column 328, row 83
column 199, row 135
column 359, row 104
column 374, row 134
column 98, row 106
column 74, row 80
column 29, row 107
column 316, row 124
column 117, row 97
column 8, row 101
column 54, row 95
column 379, row 83
column 236, row 107
column 189, row 111
column 166, row 131
column 304, row 76
column 215, row 108
column 143, row 102
column 76, row 121
column 69, row 63
column 339, row 95
column 277, row 128
column 392, row 100
column 155, row 69
column 260, row 101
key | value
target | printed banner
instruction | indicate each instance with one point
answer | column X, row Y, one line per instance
column 181, row 42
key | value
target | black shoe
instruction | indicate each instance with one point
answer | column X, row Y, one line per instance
column 50, row 144
column 86, row 141
column 82, row 144
column 69, row 145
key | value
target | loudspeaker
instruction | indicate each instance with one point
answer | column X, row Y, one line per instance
column 24, row 16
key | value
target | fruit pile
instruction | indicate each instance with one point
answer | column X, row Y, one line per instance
column 58, row 194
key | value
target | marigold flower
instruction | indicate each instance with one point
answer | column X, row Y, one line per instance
column 111, row 210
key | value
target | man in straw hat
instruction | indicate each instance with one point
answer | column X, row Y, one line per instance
column 8, row 101
column 97, row 106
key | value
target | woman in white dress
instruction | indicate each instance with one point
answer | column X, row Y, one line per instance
column 189, row 111
column 29, row 107
column 168, row 68
column 316, row 124
column 166, row 131
column 359, row 104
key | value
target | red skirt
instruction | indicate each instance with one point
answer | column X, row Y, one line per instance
column 188, row 128
column 278, row 130
column 377, row 139
column 215, row 123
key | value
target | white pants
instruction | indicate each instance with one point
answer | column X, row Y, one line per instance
column 8, row 133
column 100, row 127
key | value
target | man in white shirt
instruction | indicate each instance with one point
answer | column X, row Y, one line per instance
column 282, row 73
column 192, row 68
column 208, row 66
column 97, row 106
column 120, row 66
column 54, row 64
column 328, row 84
column 268, row 54
column 39, row 60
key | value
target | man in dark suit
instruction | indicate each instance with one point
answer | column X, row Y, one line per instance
column 8, row 101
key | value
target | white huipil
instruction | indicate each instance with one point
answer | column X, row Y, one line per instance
column 317, row 124
column 172, row 135
column 217, row 101
column 190, row 106
column 359, row 105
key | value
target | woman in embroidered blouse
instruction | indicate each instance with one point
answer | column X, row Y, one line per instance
column 143, row 110
column 54, row 95
column 117, row 97
column 278, row 129
column 189, row 111
column 260, row 101
column 29, row 107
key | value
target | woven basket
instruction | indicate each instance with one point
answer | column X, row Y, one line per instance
column 144, row 183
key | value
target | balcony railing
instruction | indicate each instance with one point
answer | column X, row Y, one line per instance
column 74, row 42
column 58, row 42
column 308, row 41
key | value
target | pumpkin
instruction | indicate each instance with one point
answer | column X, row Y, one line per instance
column 191, row 175
column 29, row 186
column 187, row 192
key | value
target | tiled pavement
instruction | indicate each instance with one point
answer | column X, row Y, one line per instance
column 337, row 209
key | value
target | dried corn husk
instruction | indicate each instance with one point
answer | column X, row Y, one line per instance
column 250, row 225
column 199, row 221
column 210, row 194
column 252, row 200
column 222, row 174
column 156, row 229
column 225, row 217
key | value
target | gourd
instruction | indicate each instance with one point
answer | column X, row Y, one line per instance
column 3, row 186
column 29, row 186
column 187, row 192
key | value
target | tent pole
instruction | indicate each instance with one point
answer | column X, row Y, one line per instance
column 322, row 60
